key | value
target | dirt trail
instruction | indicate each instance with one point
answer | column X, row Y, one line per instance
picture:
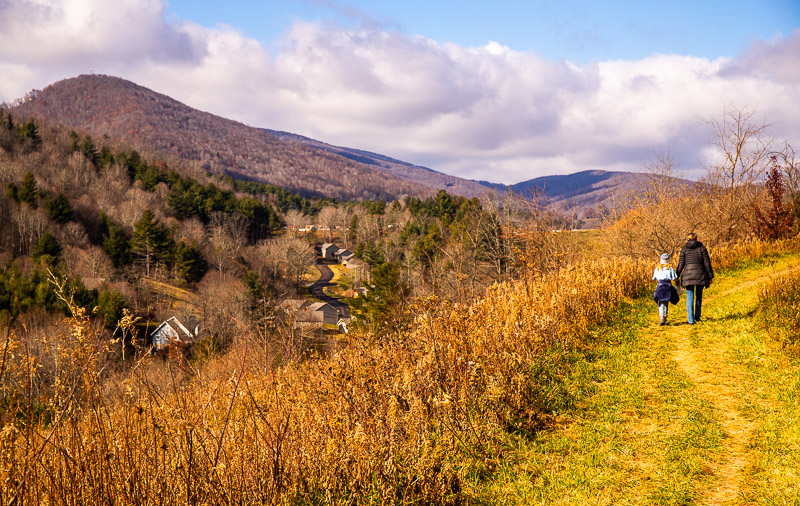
column 716, row 380
column 716, row 383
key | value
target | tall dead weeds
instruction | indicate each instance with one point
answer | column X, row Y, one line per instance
column 404, row 419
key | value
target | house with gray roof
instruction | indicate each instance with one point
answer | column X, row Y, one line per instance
column 343, row 255
column 328, row 251
column 307, row 312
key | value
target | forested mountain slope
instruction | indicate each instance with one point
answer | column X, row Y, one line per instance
column 126, row 112
column 130, row 114
column 406, row 171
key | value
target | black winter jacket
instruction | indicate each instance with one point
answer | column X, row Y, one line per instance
column 694, row 266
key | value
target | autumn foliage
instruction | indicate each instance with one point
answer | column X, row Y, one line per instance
column 776, row 222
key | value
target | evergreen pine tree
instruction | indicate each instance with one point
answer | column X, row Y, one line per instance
column 28, row 132
column 109, row 307
column 59, row 210
column 380, row 305
column 89, row 150
column 150, row 241
column 106, row 158
column 352, row 231
column 47, row 249
column 28, row 191
column 190, row 264
column 117, row 246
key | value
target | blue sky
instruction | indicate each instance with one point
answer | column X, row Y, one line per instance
column 579, row 31
column 503, row 91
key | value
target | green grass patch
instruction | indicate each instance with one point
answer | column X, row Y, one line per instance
column 633, row 431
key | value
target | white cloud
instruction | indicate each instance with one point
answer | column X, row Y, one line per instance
column 63, row 33
column 485, row 112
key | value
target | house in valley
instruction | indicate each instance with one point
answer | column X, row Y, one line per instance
column 328, row 251
column 319, row 312
column 172, row 331
column 343, row 255
column 309, row 313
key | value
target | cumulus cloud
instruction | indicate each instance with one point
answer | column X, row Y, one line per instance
column 774, row 60
column 486, row 112
column 74, row 32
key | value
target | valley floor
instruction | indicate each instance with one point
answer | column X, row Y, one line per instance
column 680, row 414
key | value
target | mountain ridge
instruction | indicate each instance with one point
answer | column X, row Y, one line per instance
column 126, row 112
column 101, row 105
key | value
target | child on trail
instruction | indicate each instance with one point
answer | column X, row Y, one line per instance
column 665, row 292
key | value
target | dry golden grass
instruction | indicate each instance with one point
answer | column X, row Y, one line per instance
column 399, row 420
column 179, row 299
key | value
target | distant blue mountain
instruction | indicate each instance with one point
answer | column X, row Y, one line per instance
column 585, row 194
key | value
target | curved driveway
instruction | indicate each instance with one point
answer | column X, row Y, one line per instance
column 318, row 290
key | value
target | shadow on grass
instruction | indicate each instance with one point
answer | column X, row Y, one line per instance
column 736, row 315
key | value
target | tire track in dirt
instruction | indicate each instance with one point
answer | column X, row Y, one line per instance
column 717, row 381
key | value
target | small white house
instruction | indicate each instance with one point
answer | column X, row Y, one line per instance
column 171, row 331
column 352, row 262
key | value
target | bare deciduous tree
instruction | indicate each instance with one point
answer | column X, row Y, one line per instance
column 288, row 256
column 90, row 262
column 328, row 219
column 369, row 228
column 72, row 234
column 30, row 225
column 226, row 237
column 296, row 220
column 744, row 144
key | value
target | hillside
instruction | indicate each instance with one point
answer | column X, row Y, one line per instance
column 403, row 170
column 126, row 112
column 588, row 193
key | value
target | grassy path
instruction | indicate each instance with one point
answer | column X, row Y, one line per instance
column 704, row 357
column 679, row 414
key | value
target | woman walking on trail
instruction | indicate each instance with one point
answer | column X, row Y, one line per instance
column 694, row 269
column 665, row 292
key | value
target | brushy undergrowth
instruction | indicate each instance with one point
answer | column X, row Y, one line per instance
column 779, row 308
column 397, row 419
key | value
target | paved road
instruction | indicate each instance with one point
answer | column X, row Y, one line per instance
column 318, row 290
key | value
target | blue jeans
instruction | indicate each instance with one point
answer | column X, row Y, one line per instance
column 694, row 302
